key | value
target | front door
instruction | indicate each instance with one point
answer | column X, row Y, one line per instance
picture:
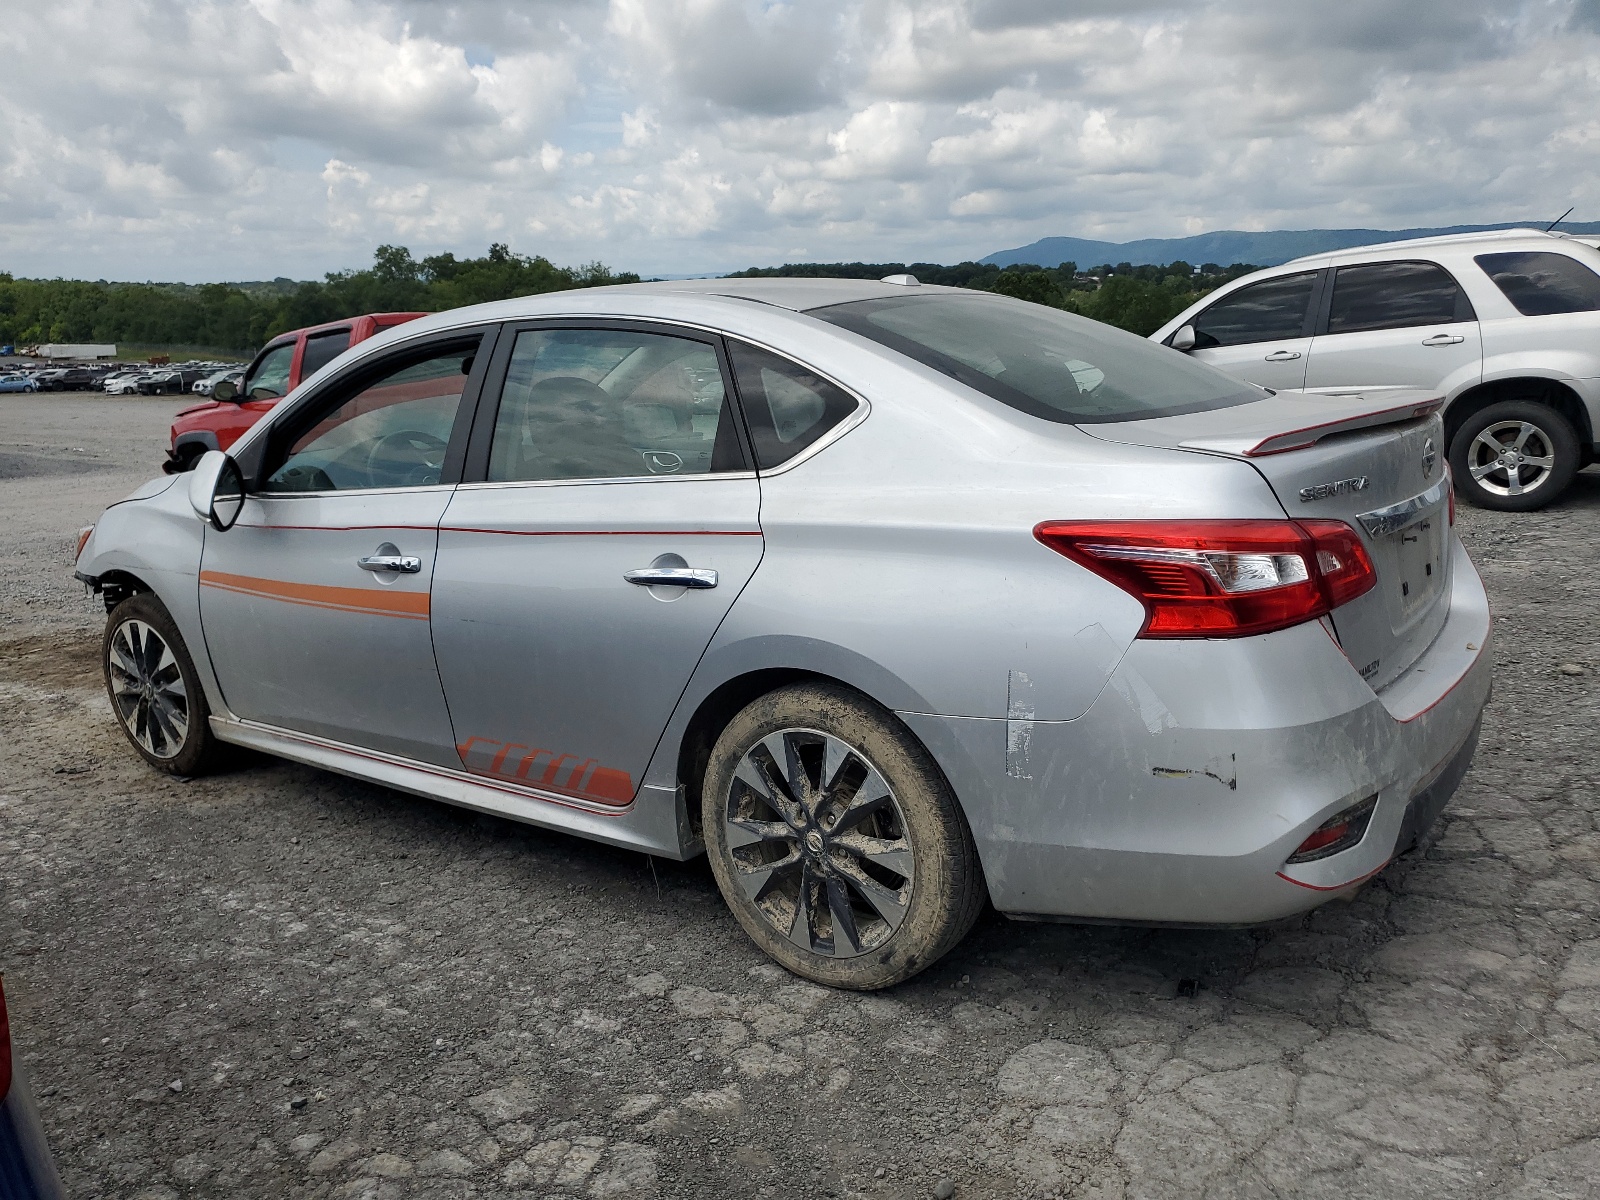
column 316, row 604
column 1260, row 333
column 580, row 580
column 1397, row 324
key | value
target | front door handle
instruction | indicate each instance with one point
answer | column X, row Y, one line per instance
column 1283, row 356
column 689, row 577
column 1443, row 339
column 399, row 564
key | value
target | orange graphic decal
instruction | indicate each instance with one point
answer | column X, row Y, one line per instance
column 412, row 605
column 564, row 773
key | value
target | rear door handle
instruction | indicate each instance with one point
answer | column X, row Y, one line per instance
column 1283, row 356
column 399, row 564
column 1443, row 339
column 689, row 577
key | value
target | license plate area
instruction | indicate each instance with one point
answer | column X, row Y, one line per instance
column 1417, row 552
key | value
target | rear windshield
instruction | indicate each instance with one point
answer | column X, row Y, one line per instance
column 1040, row 360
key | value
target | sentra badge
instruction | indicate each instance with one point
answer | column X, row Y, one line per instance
column 1339, row 487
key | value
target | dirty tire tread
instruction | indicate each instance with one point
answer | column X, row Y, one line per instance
column 201, row 753
column 949, row 892
column 1568, row 453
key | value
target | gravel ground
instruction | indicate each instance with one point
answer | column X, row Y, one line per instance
column 280, row 982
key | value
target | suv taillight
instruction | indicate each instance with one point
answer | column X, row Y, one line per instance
column 1220, row 578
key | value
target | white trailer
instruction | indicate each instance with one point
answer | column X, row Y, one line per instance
column 81, row 350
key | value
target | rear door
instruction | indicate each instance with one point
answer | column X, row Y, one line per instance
column 1396, row 324
column 1261, row 333
column 613, row 521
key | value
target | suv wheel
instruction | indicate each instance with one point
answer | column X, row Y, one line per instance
column 1514, row 456
column 836, row 841
column 155, row 690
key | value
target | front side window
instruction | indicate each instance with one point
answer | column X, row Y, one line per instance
column 1541, row 283
column 611, row 404
column 1263, row 312
column 788, row 406
column 1049, row 364
column 269, row 377
column 390, row 429
column 322, row 349
column 1396, row 295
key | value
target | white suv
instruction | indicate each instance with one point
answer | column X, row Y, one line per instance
column 1506, row 325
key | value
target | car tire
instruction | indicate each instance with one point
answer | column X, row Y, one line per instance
column 154, row 689
column 873, row 875
column 1543, row 441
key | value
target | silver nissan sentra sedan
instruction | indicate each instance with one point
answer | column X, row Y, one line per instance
column 891, row 599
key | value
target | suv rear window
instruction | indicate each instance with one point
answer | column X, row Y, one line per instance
column 1541, row 283
column 1041, row 361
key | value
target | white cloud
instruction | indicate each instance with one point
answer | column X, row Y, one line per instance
column 208, row 139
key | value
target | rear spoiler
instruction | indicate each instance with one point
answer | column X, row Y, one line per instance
column 1267, row 440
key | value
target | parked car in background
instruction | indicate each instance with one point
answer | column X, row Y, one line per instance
column 27, row 1172
column 275, row 372
column 68, row 379
column 892, row 599
column 126, row 384
column 1505, row 325
column 17, row 383
column 203, row 387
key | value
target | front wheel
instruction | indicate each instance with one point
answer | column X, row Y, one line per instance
column 836, row 841
column 155, row 690
column 1515, row 456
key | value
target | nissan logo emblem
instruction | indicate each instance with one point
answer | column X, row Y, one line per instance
column 1430, row 455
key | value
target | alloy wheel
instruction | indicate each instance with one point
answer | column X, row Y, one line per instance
column 147, row 689
column 818, row 843
column 1511, row 458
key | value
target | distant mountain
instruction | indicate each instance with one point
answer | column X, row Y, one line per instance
column 1232, row 245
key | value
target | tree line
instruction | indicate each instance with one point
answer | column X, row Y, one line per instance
column 241, row 317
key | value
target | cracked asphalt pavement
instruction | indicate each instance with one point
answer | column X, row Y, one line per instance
column 276, row 981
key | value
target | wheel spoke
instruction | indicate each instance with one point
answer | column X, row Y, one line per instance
column 1514, row 482
column 759, row 880
column 1486, row 469
column 887, row 903
column 742, row 832
column 871, row 797
column 1524, row 432
column 1547, row 462
column 892, row 854
column 845, row 934
column 802, row 928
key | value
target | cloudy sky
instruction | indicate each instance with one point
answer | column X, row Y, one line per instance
column 239, row 139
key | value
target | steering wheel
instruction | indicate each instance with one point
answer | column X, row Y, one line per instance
column 405, row 458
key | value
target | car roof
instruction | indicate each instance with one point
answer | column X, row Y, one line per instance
column 1486, row 238
column 797, row 295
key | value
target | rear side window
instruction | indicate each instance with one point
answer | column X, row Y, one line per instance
column 788, row 407
column 1396, row 295
column 1540, row 283
column 611, row 404
column 1263, row 312
column 322, row 349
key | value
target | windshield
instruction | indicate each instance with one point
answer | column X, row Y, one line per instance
column 269, row 378
column 1045, row 362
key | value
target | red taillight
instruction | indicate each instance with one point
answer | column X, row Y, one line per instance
column 1220, row 578
column 1337, row 834
column 1450, row 490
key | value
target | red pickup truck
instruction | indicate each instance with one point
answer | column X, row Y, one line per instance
column 276, row 371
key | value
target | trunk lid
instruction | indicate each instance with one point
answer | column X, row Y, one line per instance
column 1374, row 461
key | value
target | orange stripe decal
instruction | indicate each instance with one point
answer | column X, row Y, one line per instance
column 412, row 605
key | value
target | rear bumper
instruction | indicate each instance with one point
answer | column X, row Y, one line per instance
column 1179, row 796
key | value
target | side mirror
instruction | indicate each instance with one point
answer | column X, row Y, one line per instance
column 1184, row 339
column 226, row 389
column 216, row 490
